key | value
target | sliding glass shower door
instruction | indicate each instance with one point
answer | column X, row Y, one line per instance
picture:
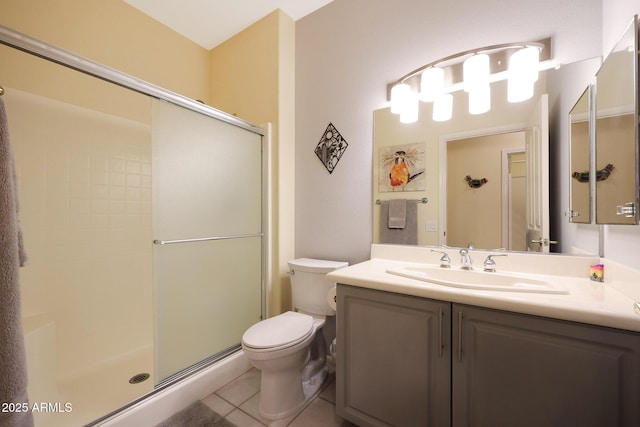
column 104, row 168
column 207, row 225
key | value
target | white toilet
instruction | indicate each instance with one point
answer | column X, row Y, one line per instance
column 289, row 349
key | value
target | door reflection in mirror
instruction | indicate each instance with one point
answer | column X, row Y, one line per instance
column 483, row 214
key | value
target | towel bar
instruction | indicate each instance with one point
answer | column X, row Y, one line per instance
column 423, row 200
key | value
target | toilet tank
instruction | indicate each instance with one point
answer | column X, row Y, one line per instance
column 310, row 286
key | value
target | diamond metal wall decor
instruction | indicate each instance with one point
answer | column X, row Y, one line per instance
column 331, row 147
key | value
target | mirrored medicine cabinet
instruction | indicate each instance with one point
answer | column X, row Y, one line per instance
column 604, row 140
column 617, row 159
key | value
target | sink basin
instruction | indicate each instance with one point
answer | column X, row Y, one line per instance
column 477, row 279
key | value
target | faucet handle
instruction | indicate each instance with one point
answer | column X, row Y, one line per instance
column 466, row 261
column 490, row 264
column 445, row 261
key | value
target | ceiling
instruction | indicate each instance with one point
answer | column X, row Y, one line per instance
column 210, row 22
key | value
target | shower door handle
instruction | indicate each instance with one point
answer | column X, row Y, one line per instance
column 205, row 239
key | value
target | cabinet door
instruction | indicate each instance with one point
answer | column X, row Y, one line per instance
column 394, row 359
column 518, row 370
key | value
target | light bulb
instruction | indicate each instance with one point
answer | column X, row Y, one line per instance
column 443, row 107
column 480, row 100
column 519, row 90
column 431, row 84
column 410, row 109
column 524, row 64
column 523, row 73
column 475, row 72
column 399, row 94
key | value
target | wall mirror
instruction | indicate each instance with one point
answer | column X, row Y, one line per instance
column 569, row 82
column 580, row 159
column 458, row 155
column 616, row 131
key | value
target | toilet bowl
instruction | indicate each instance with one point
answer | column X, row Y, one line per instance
column 290, row 349
column 279, row 348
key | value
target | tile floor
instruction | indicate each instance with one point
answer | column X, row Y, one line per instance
column 238, row 403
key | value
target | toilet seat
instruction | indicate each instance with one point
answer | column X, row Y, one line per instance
column 281, row 331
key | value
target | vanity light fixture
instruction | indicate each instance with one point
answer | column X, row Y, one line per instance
column 472, row 71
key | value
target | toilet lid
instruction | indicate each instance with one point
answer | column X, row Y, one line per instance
column 283, row 329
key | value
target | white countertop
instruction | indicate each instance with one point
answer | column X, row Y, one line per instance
column 606, row 304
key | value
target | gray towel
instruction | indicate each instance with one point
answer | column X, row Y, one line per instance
column 397, row 213
column 402, row 236
column 13, row 366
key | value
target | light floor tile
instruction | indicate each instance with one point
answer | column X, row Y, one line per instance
column 238, row 403
column 329, row 391
column 319, row 413
column 251, row 408
column 218, row 404
column 242, row 388
column 240, row 419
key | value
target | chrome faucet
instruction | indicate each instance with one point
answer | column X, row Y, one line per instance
column 490, row 264
column 466, row 261
column 445, row 261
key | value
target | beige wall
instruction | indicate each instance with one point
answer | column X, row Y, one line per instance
column 252, row 76
column 115, row 34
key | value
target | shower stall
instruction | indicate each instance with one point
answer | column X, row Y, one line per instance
column 143, row 218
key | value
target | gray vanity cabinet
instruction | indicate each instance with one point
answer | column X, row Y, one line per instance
column 513, row 369
column 394, row 359
column 409, row 361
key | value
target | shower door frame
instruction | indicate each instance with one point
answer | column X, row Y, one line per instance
column 69, row 59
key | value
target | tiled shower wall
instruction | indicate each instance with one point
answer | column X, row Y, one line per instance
column 85, row 196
